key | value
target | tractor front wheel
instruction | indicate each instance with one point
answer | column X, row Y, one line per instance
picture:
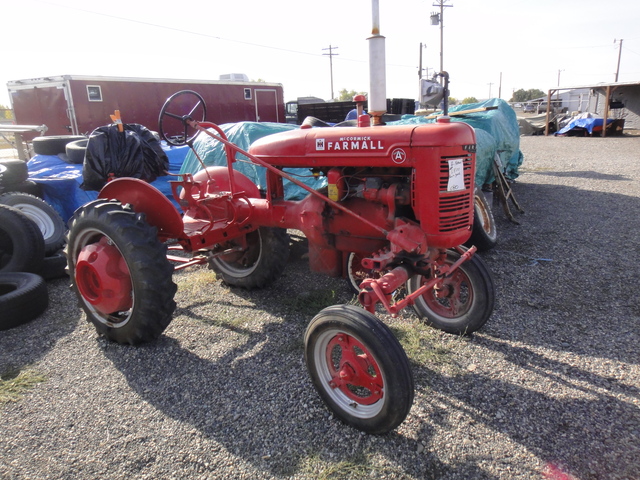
column 359, row 368
column 462, row 302
column 120, row 272
column 484, row 234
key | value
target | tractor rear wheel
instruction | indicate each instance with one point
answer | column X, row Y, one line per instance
column 460, row 304
column 260, row 264
column 359, row 368
column 120, row 272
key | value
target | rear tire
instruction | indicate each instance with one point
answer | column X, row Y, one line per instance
column 359, row 368
column 120, row 272
column 53, row 266
column 12, row 172
column 28, row 186
column 49, row 221
column 76, row 150
column 21, row 242
column 23, row 296
column 54, row 144
column 464, row 301
column 260, row 264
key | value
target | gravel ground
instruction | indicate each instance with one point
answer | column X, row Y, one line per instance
column 549, row 387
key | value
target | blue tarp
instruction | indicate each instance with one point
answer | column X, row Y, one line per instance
column 585, row 123
column 60, row 181
column 497, row 130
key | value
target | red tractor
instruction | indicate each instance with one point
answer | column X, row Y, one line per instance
column 400, row 198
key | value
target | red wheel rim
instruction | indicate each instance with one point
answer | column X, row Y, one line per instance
column 451, row 298
column 354, row 370
column 103, row 278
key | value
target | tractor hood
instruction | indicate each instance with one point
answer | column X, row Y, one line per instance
column 358, row 146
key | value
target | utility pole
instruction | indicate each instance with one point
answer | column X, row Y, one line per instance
column 500, row 87
column 619, row 55
column 558, row 91
column 490, row 89
column 438, row 19
column 331, row 54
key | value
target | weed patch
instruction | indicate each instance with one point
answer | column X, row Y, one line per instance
column 359, row 465
column 422, row 343
column 15, row 383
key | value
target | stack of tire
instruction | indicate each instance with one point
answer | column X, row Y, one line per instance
column 32, row 236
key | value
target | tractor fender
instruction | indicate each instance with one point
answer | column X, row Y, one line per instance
column 147, row 199
column 220, row 175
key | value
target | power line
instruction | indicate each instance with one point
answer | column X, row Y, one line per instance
column 180, row 30
column 216, row 37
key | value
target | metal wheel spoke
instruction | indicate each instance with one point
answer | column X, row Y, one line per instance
column 195, row 107
column 173, row 115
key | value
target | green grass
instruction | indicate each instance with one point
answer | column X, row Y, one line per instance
column 15, row 383
column 197, row 278
column 359, row 465
column 421, row 343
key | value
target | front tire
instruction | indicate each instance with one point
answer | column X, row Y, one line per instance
column 484, row 234
column 120, row 272
column 260, row 264
column 460, row 304
column 359, row 368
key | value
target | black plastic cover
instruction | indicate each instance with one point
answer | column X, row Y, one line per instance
column 135, row 152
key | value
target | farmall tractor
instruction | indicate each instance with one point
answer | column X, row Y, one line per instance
column 401, row 198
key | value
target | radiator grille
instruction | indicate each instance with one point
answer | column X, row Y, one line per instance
column 454, row 208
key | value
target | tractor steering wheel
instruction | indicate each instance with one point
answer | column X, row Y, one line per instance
column 175, row 128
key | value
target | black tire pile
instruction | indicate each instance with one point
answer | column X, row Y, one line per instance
column 32, row 237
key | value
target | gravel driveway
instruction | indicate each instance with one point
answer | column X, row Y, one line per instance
column 549, row 387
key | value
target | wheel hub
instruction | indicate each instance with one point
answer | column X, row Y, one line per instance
column 103, row 278
column 357, row 374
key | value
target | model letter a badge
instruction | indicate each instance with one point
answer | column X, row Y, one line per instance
column 398, row 156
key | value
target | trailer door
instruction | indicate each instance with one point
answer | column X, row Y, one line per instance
column 43, row 104
column 266, row 105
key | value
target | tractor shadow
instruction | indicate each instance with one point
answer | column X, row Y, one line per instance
column 558, row 292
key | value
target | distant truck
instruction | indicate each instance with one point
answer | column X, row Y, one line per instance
column 70, row 104
column 556, row 107
column 336, row 112
column 291, row 108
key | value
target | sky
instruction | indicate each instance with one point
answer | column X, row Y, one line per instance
column 491, row 47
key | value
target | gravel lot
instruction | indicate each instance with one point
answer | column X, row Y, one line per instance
column 549, row 387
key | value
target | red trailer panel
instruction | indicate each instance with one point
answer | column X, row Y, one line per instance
column 79, row 104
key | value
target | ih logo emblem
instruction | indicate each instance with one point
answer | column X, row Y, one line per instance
column 319, row 143
column 398, row 156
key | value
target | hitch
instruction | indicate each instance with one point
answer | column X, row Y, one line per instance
column 374, row 290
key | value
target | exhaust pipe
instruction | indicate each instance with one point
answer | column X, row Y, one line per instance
column 377, row 69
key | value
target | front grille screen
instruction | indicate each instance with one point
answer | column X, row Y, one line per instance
column 454, row 206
